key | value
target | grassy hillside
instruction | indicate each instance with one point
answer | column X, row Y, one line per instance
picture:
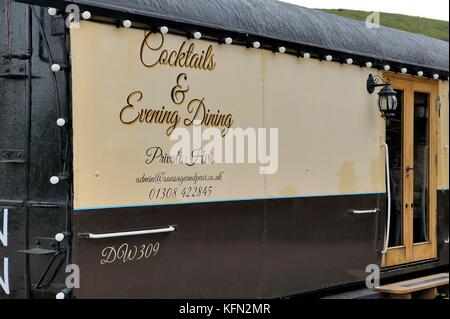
column 429, row 27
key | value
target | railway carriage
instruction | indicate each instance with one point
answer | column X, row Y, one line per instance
column 94, row 94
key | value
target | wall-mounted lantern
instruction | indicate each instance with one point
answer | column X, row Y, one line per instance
column 387, row 97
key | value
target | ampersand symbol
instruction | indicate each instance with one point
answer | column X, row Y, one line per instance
column 178, row 93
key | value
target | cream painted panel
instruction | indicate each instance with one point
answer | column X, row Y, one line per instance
column 109, row 156
column 330, row 127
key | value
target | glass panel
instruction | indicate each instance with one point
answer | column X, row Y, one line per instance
column 394, row 139
column 421, row 166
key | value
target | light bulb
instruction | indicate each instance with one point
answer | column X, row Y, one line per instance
column 197, row 35
column 404, row 70
column 60, row 237
column 54, row 180
column 52, row 11
column 60, row 295
column 387, row 67
column 329, row 58
column 436, row 76
column 282, row 50
column 420, row 73
column 86, row 15
column 60, row 122
column 228, row 40
column 349, row 61
column 126, row 24
column 369, row 65
column 56, row 67
column 256, row 45
column 164, row 30
column 306, row 55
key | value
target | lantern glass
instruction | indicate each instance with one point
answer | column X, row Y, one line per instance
column 387, row 100
column 394, row 102
column 383, row 103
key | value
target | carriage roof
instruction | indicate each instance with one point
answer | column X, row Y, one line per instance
column 284, row 23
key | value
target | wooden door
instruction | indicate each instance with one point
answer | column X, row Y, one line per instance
column 412, row 140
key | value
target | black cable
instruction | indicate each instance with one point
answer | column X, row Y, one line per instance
column 55, row 82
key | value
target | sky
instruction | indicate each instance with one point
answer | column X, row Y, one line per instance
column 435, row 9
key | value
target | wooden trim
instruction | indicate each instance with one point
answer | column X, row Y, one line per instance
column 416, row 285
column 395, row 256
column 391, row 77
column 408, row 178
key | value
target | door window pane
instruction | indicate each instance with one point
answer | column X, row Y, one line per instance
column 394, row 139
column 421, row 166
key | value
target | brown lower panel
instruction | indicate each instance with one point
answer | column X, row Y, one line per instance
column 264, row 248
column 316, row 244
column 215, row 252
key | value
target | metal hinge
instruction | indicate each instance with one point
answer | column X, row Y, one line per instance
column 14, row 70
column 43, row 246
column 12, row 156
column 24, row 56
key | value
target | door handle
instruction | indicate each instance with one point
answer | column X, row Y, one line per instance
column 364, row 212
column 168, row 229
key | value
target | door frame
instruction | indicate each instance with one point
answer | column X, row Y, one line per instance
column 412, row 252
